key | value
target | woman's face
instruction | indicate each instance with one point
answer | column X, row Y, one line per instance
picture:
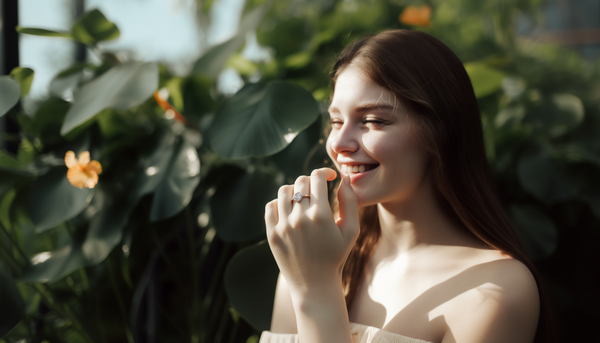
column 371, row 142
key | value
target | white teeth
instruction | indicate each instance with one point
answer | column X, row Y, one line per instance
column 355, row 168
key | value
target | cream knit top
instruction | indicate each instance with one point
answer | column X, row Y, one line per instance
column 360, row 334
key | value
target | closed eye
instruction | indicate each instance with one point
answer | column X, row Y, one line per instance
column 373, row 122
column 336, row 123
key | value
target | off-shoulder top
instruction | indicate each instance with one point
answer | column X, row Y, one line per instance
column 360, row 334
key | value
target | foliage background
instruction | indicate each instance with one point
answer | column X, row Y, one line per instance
column 169, row 245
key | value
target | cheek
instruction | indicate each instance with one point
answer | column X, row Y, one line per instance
column 330, row 151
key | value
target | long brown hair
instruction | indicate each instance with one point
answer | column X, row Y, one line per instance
column 432, row 84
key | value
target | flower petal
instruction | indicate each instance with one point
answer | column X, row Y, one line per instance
column 92, row 180
column 94, row 166
column 84, row 157
column 70, row 160
column 77, row 177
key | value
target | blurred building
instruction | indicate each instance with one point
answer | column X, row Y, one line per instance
column 575, row 23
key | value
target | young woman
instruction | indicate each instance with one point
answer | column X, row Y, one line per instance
column 421, row 250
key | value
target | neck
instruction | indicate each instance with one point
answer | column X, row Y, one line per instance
column 419, row 222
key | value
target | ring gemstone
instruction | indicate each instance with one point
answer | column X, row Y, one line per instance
column 297, row 197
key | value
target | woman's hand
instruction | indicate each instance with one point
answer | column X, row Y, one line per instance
column 309, row 246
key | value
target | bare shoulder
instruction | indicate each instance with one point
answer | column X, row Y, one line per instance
column 502, row 304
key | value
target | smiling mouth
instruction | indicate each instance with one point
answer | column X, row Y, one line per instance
column 357, row 168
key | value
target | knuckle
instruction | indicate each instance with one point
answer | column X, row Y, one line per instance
column 282, row 190
column 271, row 205
column 301, row 179
column 316, row 172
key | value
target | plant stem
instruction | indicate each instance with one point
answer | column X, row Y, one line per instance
column 113, row 281
column 84, row 279
column 167, row 260
column 15, row 245
column 66, row 312
column 10, row 261
column 193, row 266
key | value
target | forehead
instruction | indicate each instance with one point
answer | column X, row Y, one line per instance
column 354, row 89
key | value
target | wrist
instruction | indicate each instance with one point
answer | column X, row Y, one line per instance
column 316, row 298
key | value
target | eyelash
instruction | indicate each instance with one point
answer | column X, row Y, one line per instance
column 365, row 122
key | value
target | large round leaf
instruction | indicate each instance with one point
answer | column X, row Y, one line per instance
column 238, row 205
column 58, row 263
column 122, row 87
column 485, row 79
column 538, row 232
column 261, row 119
column 303, row 154
column 54, row 200
column 93, row 27
column 211, row 63
column 540, row 176
column 106, row 227
column 10, row 91
column 557, row 115
column 11, row 303
column 175, row 190
column 250, row 280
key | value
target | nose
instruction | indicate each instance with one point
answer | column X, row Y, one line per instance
column 343, row 141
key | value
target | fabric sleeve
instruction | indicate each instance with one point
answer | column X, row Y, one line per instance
column 269, row 337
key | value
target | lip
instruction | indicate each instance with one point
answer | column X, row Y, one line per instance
column 355, row 177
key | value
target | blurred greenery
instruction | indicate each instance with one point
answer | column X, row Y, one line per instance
column 169, row 245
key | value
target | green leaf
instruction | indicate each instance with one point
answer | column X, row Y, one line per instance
column 213, row 60
column 175, row 190
column 540, row 176
column 250, row 280
column 11, row 303
column 24, row 76
column 54, row 200
column 43, row 32
column 54, row 265
column 10, row 92
column 67, row 80
column 538, row 232
column 261, row 119
column 106, row 227
column 93, row 27
column 245, row 194
column 299, row 59
column 557, row 115
column 303, row 154
column 485, row 79
column 6, row 182
column 48, row 120
column 154, row 167
column 122, row 87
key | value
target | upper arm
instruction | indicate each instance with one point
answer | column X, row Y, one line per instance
column 506, row 309
column 284, row 317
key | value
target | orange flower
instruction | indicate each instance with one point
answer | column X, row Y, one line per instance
column 82, row 172
column 413, row 15
column 171, row 111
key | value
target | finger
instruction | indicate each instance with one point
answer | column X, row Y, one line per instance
column 302, row 186
column 348, row 220
column 318, row 186
column 284, row 205
column 271, row 216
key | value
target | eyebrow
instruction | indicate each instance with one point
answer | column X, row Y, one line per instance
column 367, row 107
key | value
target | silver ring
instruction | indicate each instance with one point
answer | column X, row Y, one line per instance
column 299, row 196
